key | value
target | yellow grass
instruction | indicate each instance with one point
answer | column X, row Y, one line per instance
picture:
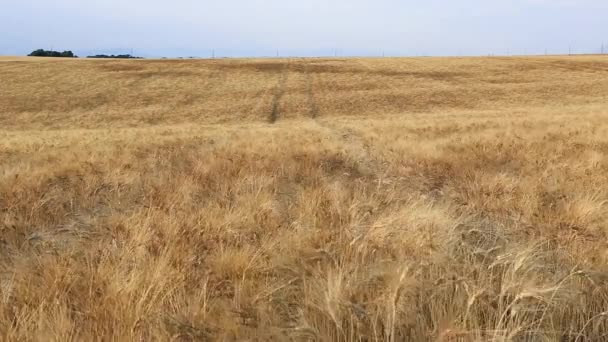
column 431, row 199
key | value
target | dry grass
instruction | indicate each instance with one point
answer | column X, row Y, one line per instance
column 305, row 200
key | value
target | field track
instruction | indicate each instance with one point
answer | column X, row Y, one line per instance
column 279, row 93
column 313, row 109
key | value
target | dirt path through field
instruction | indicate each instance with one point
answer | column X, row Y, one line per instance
column 275, row 112
column 313, row 109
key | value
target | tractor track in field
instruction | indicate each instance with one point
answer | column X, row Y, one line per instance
column 313, row 109
column 275, row 111
column 357, row 146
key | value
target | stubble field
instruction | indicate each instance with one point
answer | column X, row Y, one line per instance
column 422, row 199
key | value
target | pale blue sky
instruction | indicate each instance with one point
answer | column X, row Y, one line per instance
column 310, row 27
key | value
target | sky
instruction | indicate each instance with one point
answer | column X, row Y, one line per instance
column 233, row 28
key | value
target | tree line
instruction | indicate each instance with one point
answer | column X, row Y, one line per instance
column 70, row 54
column 50, row 53
column 114, row 56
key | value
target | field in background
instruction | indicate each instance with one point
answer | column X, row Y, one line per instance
column 436, row 199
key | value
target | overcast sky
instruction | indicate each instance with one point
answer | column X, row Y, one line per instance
column 304, row 27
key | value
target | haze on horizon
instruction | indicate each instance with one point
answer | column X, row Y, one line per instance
column 304, row 28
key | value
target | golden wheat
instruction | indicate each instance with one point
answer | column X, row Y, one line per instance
column 440, row 199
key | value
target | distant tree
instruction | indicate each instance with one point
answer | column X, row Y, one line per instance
column 38, row 53
column 49, row 53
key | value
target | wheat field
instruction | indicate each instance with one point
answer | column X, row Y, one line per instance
column 414, row 199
